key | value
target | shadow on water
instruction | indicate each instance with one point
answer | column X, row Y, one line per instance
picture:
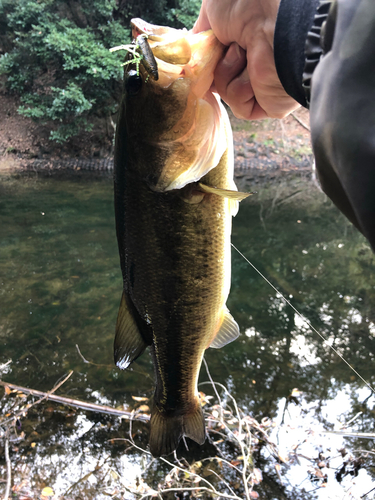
column 60, row 286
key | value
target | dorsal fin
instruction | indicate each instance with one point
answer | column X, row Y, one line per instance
column 129, row 343
column 228, row 331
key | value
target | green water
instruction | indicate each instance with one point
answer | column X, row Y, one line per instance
column 60, row 287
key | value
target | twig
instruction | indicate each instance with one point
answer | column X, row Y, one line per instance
column 45, row 395
column 4, row 365
column 245, row 448
column 364, row 435
column 79, row 352
column 300, row 122
column 76, row 403
column 86, row 476
column 210, row 489
column 9, row 466
column 212, row 382
column 90, row 362
column 194, row 488
column 224, row 461
column 365, row 495
column 223, row 480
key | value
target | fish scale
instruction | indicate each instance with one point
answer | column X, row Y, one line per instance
column 174, row 200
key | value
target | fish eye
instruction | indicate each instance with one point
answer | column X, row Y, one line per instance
column 133, row 83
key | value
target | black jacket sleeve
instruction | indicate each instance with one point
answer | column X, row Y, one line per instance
column 342, row 115
column 294, row 20
column 342, row 98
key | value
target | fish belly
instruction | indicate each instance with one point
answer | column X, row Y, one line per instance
column 176, row 269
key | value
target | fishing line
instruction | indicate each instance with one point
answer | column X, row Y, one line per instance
column 306, row 321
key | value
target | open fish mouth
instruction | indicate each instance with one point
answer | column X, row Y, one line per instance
column 180, row 65
column 177, row 53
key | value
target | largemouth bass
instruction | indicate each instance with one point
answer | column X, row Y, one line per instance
column 174, row 201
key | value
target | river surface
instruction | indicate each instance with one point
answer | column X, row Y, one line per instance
column 60, row 288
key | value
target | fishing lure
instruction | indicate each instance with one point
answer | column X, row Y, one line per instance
column 142, row 54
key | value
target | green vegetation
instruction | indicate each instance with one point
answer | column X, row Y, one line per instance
column 55, row 55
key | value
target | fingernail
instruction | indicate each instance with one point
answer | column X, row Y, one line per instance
column 233, row 54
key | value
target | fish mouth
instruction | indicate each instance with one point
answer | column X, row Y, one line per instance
column 199, row 138
column 173, row 53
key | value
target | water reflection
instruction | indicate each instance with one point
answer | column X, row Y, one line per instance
column 60, row 287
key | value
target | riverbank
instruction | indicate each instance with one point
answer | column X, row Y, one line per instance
column 262, row 149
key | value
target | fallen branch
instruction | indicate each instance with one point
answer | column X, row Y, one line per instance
column 9, row 466
column 77, row 403
column 44, row 395
column 364, row 435
column 300, row 122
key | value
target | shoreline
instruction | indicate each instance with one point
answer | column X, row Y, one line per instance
column 252, row 162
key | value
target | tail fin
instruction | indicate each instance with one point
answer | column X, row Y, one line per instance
column 166, row 431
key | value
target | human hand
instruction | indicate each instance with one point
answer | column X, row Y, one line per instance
column 246, row 77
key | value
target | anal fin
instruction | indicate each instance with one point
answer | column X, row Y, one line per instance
column 228, row 331
column 129, row 343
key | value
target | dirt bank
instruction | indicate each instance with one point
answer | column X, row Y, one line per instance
column 269, row 146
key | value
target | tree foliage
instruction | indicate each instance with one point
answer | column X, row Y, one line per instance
column 54, row 54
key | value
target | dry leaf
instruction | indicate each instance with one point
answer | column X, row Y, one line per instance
column 257, row 476
column 18, row 487
column 318, row 473
column 47, row 492
column 7, row 390
column 33, row 445
column 144, row 408
column 232, row 421
column 295, row 393
column 114, row 474
column 283, row 458
column 138, row 398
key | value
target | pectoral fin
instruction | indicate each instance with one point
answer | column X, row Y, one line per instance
column 228, row 331
column 129, row 343
column 225, row 193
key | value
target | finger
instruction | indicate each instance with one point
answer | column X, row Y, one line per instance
column 202, row 23
column 229, row 68
column 232, row 82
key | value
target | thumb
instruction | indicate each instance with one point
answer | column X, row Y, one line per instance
column 202, row 23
